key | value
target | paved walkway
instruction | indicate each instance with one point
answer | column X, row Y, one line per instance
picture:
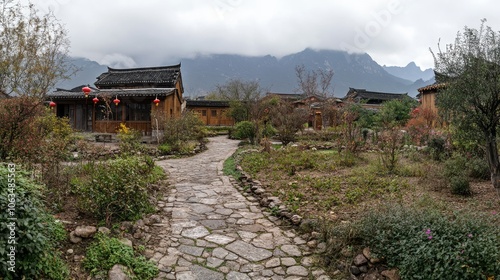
column 214, row 232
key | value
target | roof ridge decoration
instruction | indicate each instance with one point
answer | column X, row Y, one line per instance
column 154, row 68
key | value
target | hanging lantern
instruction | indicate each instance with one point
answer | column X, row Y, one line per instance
column 156, row 101
column 52, row 104
column 86, row 91
column 95, row 100
column 116, row 101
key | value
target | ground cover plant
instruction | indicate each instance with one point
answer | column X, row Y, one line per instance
column 37, row 234
column 118, row 189
column 107, row 251
column 346, row 194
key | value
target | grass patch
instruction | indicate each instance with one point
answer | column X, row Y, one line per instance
column 229, row 167
column 107, row 251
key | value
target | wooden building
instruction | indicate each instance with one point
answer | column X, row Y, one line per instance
column 427, row 97
column 211, row 112
column 371, row 99
column 123, row 96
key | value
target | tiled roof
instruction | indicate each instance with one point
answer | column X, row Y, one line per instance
column 152, row 92
column 434, row 86
column 289, row 96
column 207, row 103
column 165, row 76
column 365, row 94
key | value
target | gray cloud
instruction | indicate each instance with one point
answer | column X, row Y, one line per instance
column 152, row 32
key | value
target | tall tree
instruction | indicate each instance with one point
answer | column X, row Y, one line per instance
column 33, row 50
column 470, row 68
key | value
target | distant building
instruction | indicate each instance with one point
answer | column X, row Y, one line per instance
column 427, row 96
column 371, row 99
column 211, row 112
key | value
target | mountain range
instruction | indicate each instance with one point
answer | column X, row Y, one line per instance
column 351, row 70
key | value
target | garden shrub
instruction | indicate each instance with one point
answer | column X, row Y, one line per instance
column 244, row 130
column 187, row 127
column 478, row 168
column 130, row 139
column 107, row 251
column 437, row 148
column 425, row 244
column 165, row 149
column 117, row 189
column 37, row 233
column 460, row 185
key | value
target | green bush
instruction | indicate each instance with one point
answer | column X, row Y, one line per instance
column 244, row 130
column 130, row 139
column 165, row 149
column 425, row 244
column 116, row 189
column 437, row 148
column 478, row 168
column 187, row 127
column 106, row 251
column 269, row 131
column 460, row 185
column 37, row 233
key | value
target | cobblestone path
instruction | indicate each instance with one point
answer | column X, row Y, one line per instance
column 214, row 232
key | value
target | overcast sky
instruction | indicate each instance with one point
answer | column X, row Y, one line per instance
column 136, row 33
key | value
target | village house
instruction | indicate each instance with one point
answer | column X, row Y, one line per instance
column 427, row 96
column 137, row 97
column 211, row 112
column 371, row 99
column 314, row 103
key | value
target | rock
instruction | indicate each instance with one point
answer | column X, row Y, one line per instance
column 373, row 276
column 363, row 269
column 69, row 251
column 367, row 253
column 391, row 274
column 155, row 219
column 126, row 226
column 315, row 235
column 126, row 242
column 360, row 260
column 312, row 244
column 296, row 219
column 117, row 272
column 104, row 230
column 85, row 231
column 259, row 191
column 73, row 238
column 355, row 270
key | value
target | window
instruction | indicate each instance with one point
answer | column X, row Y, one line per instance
column 204, row 113
column 111, row 112
column 214, row 113
column 138, row 111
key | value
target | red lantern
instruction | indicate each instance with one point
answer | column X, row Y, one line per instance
column 95, row 100
column 156, row 102
column 86, row 91
column 116, row 101
column 52, row 104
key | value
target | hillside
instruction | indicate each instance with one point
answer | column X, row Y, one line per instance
column 203, row 73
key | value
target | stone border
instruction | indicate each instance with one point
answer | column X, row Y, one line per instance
column 246, row 183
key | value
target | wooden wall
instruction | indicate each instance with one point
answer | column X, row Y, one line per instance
column 213, row 116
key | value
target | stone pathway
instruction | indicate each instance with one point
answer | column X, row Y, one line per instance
column 211, row 231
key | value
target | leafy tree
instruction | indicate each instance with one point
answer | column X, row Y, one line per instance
column 396, row 112
column 33, row 50
column 470, row 68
